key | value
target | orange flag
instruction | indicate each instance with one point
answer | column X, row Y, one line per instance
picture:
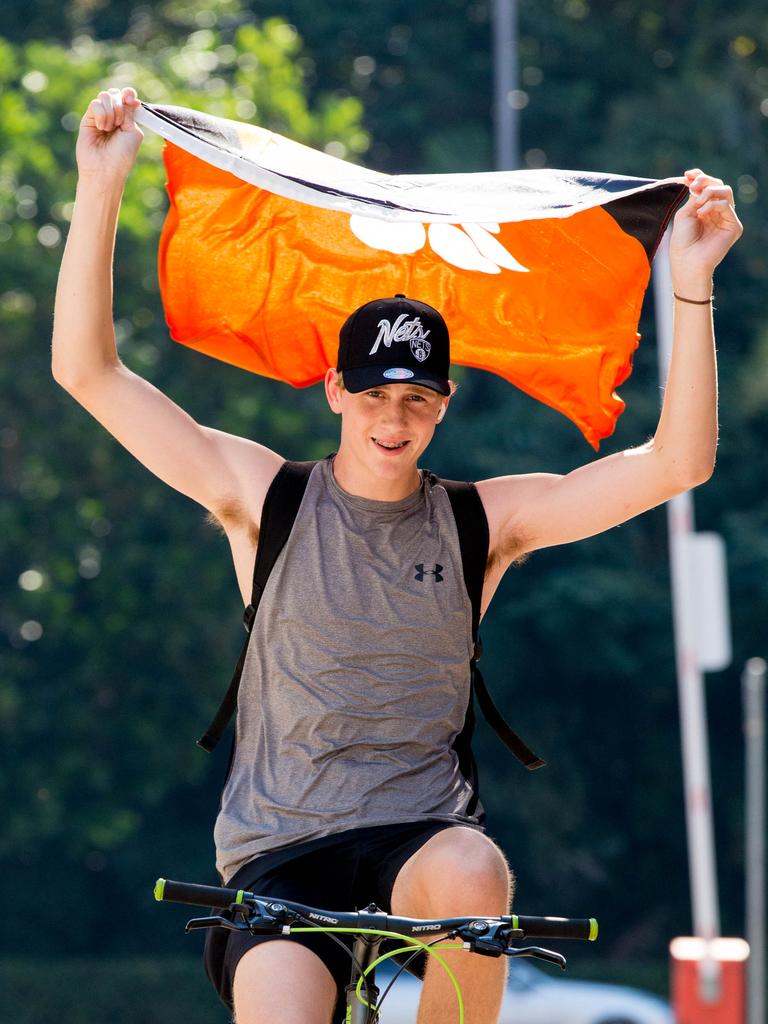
column 540, row 275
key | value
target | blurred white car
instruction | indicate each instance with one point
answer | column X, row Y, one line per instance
column 539, row 996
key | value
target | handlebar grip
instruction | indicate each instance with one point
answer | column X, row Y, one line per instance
column 197, row 895
column 556, row 927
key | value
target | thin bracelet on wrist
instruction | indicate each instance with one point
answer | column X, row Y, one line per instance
column 695, row 302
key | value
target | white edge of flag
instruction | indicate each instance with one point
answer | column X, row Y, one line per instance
column 496, row 197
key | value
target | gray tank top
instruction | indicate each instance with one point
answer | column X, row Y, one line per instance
column 356, row 678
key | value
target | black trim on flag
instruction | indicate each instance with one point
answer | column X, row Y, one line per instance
column 203, row 125
column 386, row 204
column 639, row 218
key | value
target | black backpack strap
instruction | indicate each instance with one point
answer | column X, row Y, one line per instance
column 496, row 720
column 281, row 506
column 472, row 526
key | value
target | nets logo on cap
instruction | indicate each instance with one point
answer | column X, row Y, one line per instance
column 404, row 329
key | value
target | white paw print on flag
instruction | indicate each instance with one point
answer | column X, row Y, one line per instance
column 466, row 246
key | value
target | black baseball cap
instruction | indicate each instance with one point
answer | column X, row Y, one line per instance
column 395, row 341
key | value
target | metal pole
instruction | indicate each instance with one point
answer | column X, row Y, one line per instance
column 505, row 65
column 753, row 682
column 693, row 725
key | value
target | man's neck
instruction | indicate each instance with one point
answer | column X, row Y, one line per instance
column 357, row 478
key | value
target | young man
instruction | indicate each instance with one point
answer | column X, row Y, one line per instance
column 344, row 787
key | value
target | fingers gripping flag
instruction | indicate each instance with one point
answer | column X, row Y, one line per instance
column 269, row 245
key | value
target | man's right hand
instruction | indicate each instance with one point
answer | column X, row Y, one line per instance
column 109, row 139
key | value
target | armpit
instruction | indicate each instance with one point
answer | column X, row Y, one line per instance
column 233, row 515
column 512, row 549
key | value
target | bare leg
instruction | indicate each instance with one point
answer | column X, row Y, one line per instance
column 481, row 981
column 283, row 981
column 457, row 872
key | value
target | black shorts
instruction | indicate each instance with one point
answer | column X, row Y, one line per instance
column 345, row 872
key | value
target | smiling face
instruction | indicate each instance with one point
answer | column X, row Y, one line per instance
column 384, row 431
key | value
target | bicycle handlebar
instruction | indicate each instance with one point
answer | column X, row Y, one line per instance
column 223, row 898
column 197, row 895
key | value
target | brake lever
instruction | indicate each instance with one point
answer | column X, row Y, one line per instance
column 549, row 955
column 214, row 922
column 263, row 919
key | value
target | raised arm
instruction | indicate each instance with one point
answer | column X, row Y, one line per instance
column 228, row 475
column 538, row 510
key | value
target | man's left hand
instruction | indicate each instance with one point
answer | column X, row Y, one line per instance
column 705, row 228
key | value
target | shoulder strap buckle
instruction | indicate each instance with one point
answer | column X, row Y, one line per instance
column 248, row 616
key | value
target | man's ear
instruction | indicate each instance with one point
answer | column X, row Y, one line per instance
column 332, row 389
column 443, row 409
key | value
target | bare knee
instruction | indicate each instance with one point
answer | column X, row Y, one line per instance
column 281, row 980
column 459, row 871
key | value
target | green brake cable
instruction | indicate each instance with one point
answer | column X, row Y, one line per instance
column 411, row 949
column 416, row 944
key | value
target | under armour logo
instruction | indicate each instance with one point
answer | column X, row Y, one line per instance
column 421, row 572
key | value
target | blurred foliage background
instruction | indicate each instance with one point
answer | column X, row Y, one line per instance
column 119, row 612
